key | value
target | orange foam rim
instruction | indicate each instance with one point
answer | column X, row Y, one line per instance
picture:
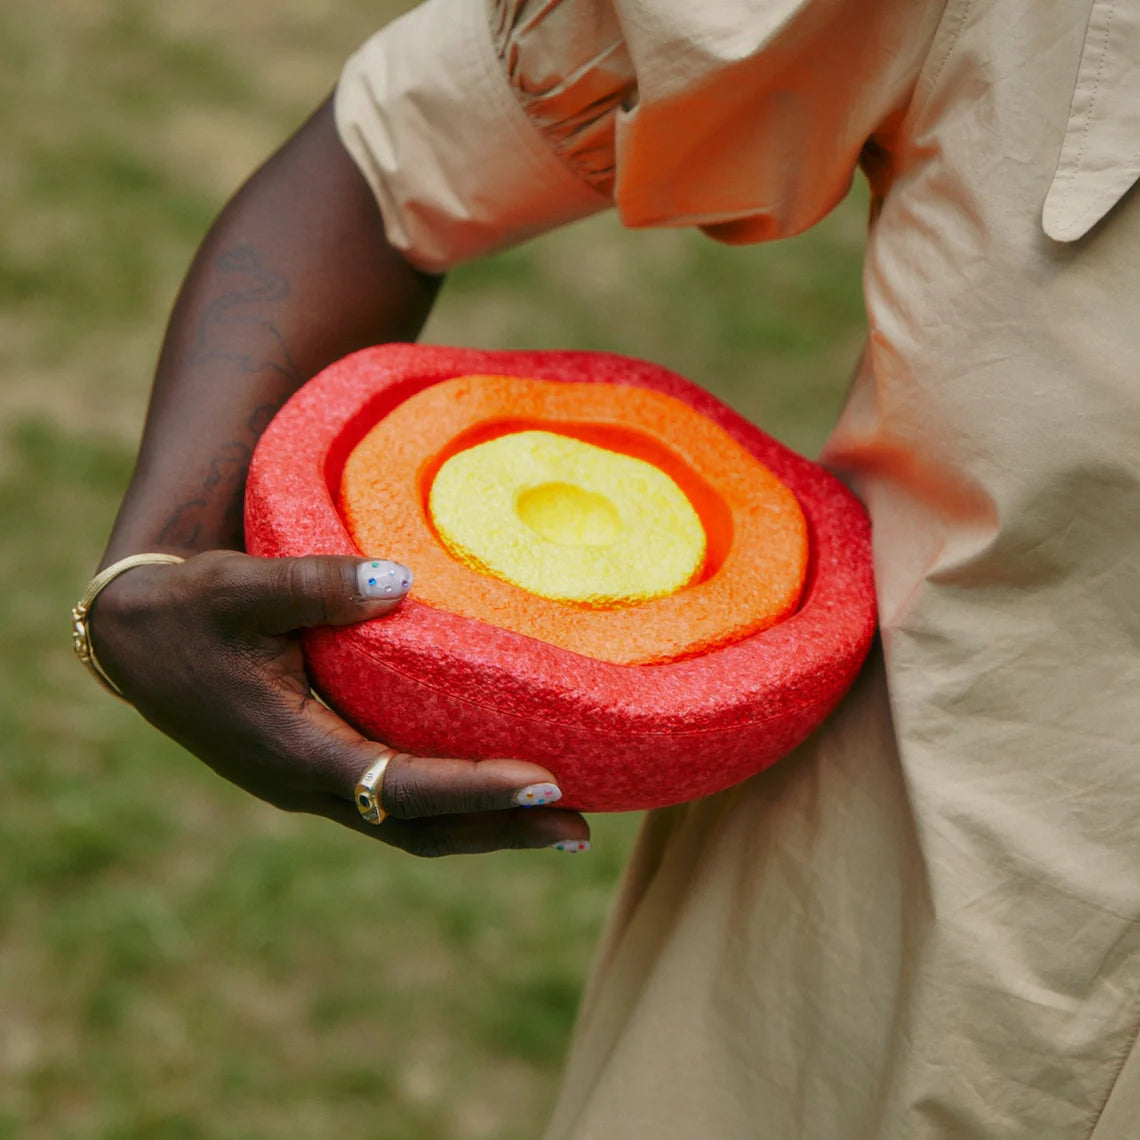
column 757, row 537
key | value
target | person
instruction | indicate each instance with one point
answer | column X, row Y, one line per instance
column 925, row 924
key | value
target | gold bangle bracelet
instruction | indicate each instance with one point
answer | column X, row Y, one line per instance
column 80, row 631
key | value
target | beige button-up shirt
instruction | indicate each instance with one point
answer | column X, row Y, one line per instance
column 926, row 924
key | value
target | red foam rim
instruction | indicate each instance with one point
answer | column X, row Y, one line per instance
column 617, row 737
column 775, row 674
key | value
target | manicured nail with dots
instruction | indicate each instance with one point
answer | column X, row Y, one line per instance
column 382, row 579
column 538, row 795
column 572, row 845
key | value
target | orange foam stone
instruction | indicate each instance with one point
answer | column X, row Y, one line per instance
column 757, row 549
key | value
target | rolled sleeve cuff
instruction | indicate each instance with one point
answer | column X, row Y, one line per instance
column 457, row 168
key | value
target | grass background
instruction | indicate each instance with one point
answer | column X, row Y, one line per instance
column 177, row 960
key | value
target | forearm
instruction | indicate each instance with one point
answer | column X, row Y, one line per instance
column 295, row 273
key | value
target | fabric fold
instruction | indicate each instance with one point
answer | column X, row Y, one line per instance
column 457, row 166
column 571, row 77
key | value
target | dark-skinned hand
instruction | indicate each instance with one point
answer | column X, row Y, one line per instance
column 208, row 652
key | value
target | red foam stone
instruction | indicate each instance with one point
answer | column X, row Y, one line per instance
column 617, row 737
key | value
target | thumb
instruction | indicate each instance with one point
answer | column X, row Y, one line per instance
column 284, row 594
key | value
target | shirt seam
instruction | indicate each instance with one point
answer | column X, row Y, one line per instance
column 1129, row 1050
column 924, row 89
column 1073, row 172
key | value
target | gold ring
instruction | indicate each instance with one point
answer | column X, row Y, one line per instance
column 369, row 787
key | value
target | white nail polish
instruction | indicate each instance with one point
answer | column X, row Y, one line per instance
column 382, row 579
column 538, row 795
column 572, row 845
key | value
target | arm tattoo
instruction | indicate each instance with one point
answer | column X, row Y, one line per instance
column 236, row 330
column 227, row 471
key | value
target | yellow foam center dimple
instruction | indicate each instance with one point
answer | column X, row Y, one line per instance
column 568, row 515
column 567, row 520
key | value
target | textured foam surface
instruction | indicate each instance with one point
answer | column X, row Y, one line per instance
column 566, row 520
column 757, row 535
column 617, row 737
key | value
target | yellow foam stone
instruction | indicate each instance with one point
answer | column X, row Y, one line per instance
column 567, row 520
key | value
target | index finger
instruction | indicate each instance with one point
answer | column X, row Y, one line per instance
column 419, row 787
column 327, row 754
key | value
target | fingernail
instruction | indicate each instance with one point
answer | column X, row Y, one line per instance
column 383, row 579
column 574, row 845
column 538, row 795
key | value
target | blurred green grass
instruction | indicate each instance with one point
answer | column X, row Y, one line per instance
column 177, row 960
